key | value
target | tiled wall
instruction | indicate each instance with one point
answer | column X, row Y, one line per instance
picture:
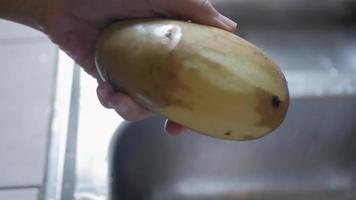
column 27, row 77
column 19, row 194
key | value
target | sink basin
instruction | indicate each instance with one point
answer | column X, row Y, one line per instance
column 310, row 156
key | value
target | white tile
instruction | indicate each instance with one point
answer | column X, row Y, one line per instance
column 19, row 194
column 27, row 73
column 11, row 30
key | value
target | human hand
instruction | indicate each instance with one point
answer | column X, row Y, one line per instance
column 76, row 24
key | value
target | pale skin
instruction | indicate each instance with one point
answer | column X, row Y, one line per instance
column 74, row 25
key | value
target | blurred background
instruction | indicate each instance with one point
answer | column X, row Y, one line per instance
column 27, row 78
column 314, row 42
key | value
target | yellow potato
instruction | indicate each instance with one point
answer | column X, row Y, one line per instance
column 204, row 78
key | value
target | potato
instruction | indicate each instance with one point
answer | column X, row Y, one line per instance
column 202, row 77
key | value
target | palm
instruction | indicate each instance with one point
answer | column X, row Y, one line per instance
column 77, row 38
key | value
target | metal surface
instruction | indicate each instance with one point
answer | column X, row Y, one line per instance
column 311, row 156
column 59, row 128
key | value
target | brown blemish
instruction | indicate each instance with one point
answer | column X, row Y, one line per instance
column 248, row 137
column 276, row 102
column 169, row 34
column 228, row 133
column 258, row 53
column 164, row 76
column 270, row 108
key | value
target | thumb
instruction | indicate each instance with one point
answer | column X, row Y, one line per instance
column 199, row 11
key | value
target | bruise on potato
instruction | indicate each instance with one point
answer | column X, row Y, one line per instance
column 249, row 137
column 270, row 108
column 165, row 80
column 228, row 133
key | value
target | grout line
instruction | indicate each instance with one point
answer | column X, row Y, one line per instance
column 19, row 187
column 49, row 123
column 52, row 188
column 28, row 40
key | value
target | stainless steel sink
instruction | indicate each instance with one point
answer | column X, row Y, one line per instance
column 312, row 155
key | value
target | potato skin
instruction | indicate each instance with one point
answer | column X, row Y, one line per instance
column 204, row 78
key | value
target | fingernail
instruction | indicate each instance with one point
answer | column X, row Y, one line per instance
column 173, row 129
column 122, row 107
column 228, row 22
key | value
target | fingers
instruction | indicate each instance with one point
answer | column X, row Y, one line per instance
column 199, row 11
column 121, row 103
column 128, row 109
column 173, row 128
column 104, row 92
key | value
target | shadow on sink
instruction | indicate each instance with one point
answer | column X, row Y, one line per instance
column 311, row 156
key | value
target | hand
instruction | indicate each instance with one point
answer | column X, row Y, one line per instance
column 75, row 25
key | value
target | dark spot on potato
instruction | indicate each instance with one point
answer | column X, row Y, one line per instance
column 271, row 109
column 259, row 53
column 248, row 137
column 169, row 34
column 228, row 133
column 276, row 102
